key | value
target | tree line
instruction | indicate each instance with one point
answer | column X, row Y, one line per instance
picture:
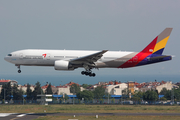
column 149, row 95
column 9, row 92
column 152, row 95
column 98, row 93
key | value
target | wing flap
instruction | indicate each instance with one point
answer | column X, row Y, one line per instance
column 89, row 58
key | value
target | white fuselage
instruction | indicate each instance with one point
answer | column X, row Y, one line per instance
column 39, row 57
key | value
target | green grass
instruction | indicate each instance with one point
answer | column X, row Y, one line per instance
column 80, row 108
column 88, row 109
column 110, row 118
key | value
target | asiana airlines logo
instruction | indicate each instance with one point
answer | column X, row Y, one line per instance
column 150, row 50
column 44, row 55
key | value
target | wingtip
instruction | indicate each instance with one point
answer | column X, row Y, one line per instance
column 105, row 50
column 169, row 28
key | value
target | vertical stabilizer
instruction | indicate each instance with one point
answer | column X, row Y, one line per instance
column 154, row 49
column 158, row 44
column 161, row 41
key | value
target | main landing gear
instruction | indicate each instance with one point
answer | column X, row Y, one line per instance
column 88, row 73
column 19, row 71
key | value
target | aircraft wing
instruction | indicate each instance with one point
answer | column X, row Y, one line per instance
column 89, row 59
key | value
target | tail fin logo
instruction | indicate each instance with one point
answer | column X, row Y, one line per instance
column 151, row 50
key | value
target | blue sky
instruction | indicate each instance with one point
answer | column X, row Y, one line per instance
column 87, row 25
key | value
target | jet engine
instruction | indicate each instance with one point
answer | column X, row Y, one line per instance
column 62, row 65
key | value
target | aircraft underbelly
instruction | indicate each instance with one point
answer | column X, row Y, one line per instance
column 37, row 62
column 110, row 64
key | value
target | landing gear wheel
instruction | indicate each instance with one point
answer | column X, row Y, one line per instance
column 88, row 73
column 82, row 72
column 19, row 71
column 93, row 74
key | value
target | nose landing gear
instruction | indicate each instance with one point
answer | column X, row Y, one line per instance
column 19, row 71
column 88, row 71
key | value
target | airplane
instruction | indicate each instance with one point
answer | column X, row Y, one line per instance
column 72, row 59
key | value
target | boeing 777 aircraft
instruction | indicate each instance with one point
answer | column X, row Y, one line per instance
column 73, row 59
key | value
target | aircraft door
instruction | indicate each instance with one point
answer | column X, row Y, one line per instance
column 21, row 56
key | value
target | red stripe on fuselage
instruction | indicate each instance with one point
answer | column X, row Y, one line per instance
column 140, row 56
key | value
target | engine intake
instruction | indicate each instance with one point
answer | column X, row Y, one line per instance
column 62, row 65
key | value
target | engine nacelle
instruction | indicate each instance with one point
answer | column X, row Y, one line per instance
column 62, row 65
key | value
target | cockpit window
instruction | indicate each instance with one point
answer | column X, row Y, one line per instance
column 9, row 54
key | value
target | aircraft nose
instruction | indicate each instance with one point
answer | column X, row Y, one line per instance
column 7, row 59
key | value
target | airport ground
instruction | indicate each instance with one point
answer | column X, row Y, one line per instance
column 88, row 112
column 110, row 118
